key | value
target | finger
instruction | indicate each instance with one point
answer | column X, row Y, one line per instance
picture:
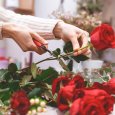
column 84, row 40
column 88, row 53
column 78, row 52
column 37, row 49
column 39, row 38
column 33, row 47
column 75, row 43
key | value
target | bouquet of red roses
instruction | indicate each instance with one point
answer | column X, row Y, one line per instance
column 75, row 95
column 78, row 96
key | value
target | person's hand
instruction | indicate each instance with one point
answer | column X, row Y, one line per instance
column 23, row 36
column 78, row 37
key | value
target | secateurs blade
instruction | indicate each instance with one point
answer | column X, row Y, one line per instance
column 40, row 45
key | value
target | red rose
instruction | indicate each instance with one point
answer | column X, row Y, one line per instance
column 102, row 86
column 13, row 113
column 65, row 96
column 111, row 85
column 87, row 106
column 20, row 102
column 106, row 100
column 80, row 93
column 107, row 103
column 103, row 37
column 56, row 83
column 78, row 81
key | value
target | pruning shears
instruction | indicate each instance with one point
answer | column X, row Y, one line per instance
column 40, row 45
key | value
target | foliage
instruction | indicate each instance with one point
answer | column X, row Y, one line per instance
column 88, row 15
column 35, row 81
column 91, row 6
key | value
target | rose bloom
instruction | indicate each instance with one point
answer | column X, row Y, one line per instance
column 111, row 85
column 77, row 81
column 102, row 86
column 20, row 102
column 63, row 80
column 65, row 96
column 103, row 37
column 87, row 106
column 102, row 96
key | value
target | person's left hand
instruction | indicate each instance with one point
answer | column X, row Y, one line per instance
column 78, row 37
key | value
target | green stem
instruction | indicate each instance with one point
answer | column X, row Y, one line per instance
column 59, row 57
column 47, row 59
column 71, row 53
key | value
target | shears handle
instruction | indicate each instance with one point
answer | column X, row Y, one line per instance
column 38, row 44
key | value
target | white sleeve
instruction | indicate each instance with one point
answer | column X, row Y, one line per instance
column 43, row 27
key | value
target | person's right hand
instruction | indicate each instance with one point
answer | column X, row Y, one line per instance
column 23, row 36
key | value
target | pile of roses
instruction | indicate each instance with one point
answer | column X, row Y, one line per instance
column 74, row 95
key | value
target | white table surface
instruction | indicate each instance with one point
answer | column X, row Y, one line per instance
column 52, row 111
column 55, row 111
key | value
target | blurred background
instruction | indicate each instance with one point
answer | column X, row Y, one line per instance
column 85, row 14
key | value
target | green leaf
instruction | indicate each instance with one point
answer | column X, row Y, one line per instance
column 35, row 92
column 8, row 76
column 68, row 47
column 1, row 103
column 57, row 52
column 63, row 65
column 70, row 65
column 12, row 68
column 14, row 85
column 48, row 75
column 34, row 70
column 26, row 79
column 80, row 58
column 48, row 94
column 2, row 74
column 4, row 90
column 5, row 94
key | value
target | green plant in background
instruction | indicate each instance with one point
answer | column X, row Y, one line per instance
column 88, row 15
column 90, row 6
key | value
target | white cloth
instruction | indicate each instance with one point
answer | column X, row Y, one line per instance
column 43, row 27
column 52, row 111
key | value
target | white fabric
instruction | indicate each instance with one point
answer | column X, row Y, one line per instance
column 52, row 111
column 43, row 27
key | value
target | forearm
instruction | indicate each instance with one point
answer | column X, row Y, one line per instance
column 42, row 26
